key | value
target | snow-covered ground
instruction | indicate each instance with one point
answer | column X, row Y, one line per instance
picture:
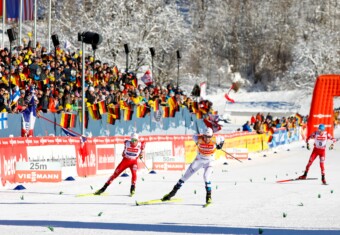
column 246, row 200
column 246, row 197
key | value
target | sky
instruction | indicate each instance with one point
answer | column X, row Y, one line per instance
column 246, row 197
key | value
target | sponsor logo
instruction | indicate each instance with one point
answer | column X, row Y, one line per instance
column 319, row 115
column 38, row 176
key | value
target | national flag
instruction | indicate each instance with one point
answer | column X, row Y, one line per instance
column 154, row 104
column 102, row 107
column 15, row 79
column 173, row 106
column 228, row 98
column 147, row 78
column 194, row 107
column 80, row 114
column 15, row 95
column 165, row 111
column 142, row 110
column 1, row 10
column 115, row 70
column 13, row 8
column 68, row 132
column 68, row 120
column 110, row 119
column 114, row 110
column 28, row 119
column 136, row 100
column 3, row 121
column 134, row 82
column 128, row 114
column 94, row 111
column 199, row 115
column 299, row 118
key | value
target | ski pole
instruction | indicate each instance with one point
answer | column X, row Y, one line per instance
column 231, row 155
column 144, row 163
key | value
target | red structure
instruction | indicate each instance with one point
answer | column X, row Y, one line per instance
column 326, row 88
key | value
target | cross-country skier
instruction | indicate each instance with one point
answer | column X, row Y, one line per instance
column 133, row 149
column 207, row 145
column 320, row 140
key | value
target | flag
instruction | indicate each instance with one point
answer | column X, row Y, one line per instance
column 68, row 133
column 83, row 148
column 228, row 98
column 1, row 12
column 111, row 119
column 3, row 121
column 15, row 95
column 102, row 107
column 115, row 111
column 299, row 118
column 173, row 106
column 199, row 115
column 134, row 82
column 128, row 114
column 146, row 78
column 142, row 110
column 12, row 10
column 28, row 119
column 68, row 120
column 165, row 111
column 194, row 107
column 94, row 111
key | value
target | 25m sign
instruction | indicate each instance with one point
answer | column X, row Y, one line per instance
column 37, row 172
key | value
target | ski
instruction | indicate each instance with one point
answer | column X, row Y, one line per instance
column 296, row 179
column 90, row 194
column 157, row 201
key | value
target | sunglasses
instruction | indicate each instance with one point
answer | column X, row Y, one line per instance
column 134, row 140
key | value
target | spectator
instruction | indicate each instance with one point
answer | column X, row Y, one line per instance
column 258, row 127
column 246, row 127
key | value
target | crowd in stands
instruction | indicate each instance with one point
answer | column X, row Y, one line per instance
column 54, row 80
column 262, row 124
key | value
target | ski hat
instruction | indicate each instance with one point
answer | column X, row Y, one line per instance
column 209, row 132
column 322, row 127
column 134, row 136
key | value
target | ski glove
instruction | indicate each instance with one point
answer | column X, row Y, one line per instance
column 220, row 145
column 140, row 156
column 308, row 146
column 331, row 146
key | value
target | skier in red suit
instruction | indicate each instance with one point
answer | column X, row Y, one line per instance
column 133, row 149
column 320, row 141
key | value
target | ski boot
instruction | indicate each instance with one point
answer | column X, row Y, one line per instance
column 132, row 190
column 100, row 191
column 323, row 179
column 303, row 177
column 208, row 199
column 168, row 196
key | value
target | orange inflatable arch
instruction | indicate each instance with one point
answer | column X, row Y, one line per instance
column 321, row 111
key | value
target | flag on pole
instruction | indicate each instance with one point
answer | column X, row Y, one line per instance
column 1, row 11
column 28, row 119
column 68, row 133
column 3, row 121
column 147, row 78
column 13, row 10
column 228, row 98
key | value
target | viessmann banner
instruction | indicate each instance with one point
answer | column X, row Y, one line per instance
column 99, row 154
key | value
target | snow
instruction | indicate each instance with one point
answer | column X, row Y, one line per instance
column 246, row 197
